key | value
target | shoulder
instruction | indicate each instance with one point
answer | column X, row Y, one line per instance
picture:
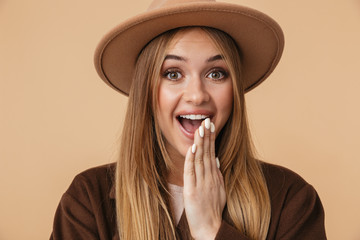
column 296, row 209
column 86, row 210
column 279, row 173
column 99, row 171
column 96, row 181
column 280, row 179
column 290, row 194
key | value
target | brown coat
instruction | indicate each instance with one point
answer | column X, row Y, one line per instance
column 87, row 208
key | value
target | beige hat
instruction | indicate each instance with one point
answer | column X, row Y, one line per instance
column 259, row 38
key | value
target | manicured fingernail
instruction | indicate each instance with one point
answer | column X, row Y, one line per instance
column 207, row 123
column 212, row 128
column 201, row 131
column 193, row 148
column 217, row 162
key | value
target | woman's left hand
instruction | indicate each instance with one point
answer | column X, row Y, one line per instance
column 204, row 191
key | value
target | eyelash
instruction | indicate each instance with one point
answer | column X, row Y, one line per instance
column 221, row 71
column 224, row 74
column 167, row 73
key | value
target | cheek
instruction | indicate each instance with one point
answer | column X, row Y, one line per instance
column 228, row 102
column 166, row 105
column 224, row 104
column 164, row 99
column 161, row 107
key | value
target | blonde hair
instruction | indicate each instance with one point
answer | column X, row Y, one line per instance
column 142, row 198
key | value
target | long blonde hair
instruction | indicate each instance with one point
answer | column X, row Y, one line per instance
column 142, row 198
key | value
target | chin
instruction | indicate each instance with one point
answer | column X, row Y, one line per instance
column 178, row 150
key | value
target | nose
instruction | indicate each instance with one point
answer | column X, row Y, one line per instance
column 195, row 92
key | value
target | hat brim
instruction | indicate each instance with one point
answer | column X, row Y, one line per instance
column 259, row 38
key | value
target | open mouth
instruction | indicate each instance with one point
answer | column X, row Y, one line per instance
column 191, row 122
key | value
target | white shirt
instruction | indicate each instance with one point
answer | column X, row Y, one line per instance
column 176, row 201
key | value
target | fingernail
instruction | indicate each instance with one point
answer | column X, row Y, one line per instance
column 217, row 162
column 212, row 129
column 193, row 148
column 201, row 131
column 207, row 123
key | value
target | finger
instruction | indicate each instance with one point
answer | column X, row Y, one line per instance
column 221, row 178
column 207, row 148
column 212, row 148
column 199, row 158
column 189, row 170
column 218, row 172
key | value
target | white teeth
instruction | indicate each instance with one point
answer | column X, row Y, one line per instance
column 194, row 117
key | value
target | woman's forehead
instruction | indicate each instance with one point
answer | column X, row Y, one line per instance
column 192, row 39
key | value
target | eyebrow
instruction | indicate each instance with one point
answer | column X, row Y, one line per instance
column 175, row 57
column 179, row 58
column 215, row 58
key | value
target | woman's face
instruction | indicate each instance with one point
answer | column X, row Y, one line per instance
column 194, row 84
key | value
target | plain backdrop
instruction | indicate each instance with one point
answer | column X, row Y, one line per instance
column 58, row 118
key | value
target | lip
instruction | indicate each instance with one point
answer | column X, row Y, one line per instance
column 195, row 112
column 189, row 112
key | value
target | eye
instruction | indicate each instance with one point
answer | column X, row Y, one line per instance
column 172, row 75
column 217, row 74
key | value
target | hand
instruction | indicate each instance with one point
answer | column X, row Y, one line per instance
column 204, row 191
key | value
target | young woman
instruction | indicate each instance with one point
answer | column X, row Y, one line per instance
column 186, row 168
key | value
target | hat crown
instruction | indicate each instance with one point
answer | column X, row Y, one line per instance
column 157, row 4
column 259, row 38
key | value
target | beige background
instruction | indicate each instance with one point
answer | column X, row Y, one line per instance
column 57, row 118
